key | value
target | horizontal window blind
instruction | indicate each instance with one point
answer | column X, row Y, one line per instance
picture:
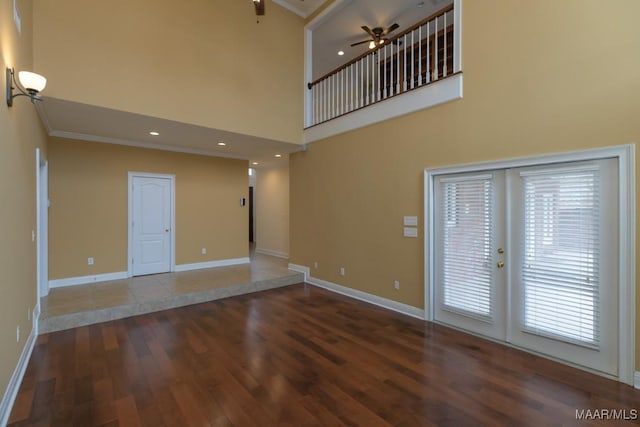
column 466, row 230
column 560, row 269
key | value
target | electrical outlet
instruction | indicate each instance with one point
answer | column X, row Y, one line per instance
column 28, row 314
column 396, row 285
column 315, row 264
column 90, row 261
column 204, row 251
column 342, row 272
column 18, row 333
column 33, row 235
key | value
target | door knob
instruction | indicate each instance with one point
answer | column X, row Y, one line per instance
column 166, row 230
column 500, row 264
column 500, row 250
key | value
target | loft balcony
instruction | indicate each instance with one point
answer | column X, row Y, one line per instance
column 416, row 69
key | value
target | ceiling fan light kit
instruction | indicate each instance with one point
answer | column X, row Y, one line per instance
column 377, row 35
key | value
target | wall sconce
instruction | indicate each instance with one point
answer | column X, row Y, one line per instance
column 31, row 84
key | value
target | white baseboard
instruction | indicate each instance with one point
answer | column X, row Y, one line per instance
column 300, row 269
column 636, row 380
column 212, row 264
column 9, row 398
column 272, row 253
column 83, row 280
column 35, row 315
column 409, row 310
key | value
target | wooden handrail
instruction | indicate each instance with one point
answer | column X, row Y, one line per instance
column 391, row 40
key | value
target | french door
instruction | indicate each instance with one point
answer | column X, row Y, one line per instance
column 529, row 256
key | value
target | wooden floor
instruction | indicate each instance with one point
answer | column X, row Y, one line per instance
column 297, row 356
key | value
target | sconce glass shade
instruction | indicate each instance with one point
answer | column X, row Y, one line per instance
column 32, row 81
column 28, row 84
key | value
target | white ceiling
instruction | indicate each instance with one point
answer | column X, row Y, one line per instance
column 304, row 8
column 342, row 27
column 90, row 123
column 336, row 31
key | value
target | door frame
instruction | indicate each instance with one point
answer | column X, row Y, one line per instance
column 625, row 154
column 172, row 189
column 42, row 225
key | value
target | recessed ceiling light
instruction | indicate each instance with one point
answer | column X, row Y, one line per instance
column 154, row 133
column 278, row 155
column 255, row 163
column 340, row 52
column 222, row 144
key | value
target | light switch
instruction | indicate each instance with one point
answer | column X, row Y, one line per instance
column 410, row 232
column 411, row 221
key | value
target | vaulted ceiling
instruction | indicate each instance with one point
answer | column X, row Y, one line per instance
column 338, row 28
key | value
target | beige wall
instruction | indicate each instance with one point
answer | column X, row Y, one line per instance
column 204, row 62
column 272, row 210
column 539, row 77
column 20, row 135
column 89, row 205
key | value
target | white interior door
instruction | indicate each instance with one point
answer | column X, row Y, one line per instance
column 549, row 286
column 152, row 206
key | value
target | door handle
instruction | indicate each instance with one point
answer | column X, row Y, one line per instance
column 167, row 230
column 500, row 264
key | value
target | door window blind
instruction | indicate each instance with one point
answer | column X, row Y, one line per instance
column 560, row 270
column 466, row 230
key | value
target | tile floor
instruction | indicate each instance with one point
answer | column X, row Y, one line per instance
column 81, row 305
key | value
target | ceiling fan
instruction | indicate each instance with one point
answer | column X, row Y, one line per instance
column 259, row 5
column 377, row 35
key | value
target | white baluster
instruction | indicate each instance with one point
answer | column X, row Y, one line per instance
column 404, row 65
column 444, row 62
column 435, row 52
column 335, row 96
column 374, row 71
column 413, row 59
column 383, row 70
column 314, row 94
column 420, row 54
column 366, row 63
column 330, row 100
column 342, row 92
column 349, row 88
column 326, row 99
column 427, row 74
column 397, row 69
column 357, row 85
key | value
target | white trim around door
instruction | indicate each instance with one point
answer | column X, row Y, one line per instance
column 130, row 250
column 626, row 265
column 42, row 221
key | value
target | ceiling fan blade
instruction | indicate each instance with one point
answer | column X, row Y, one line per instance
column 368, row 31
column 393, row 27
column 359, row 43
